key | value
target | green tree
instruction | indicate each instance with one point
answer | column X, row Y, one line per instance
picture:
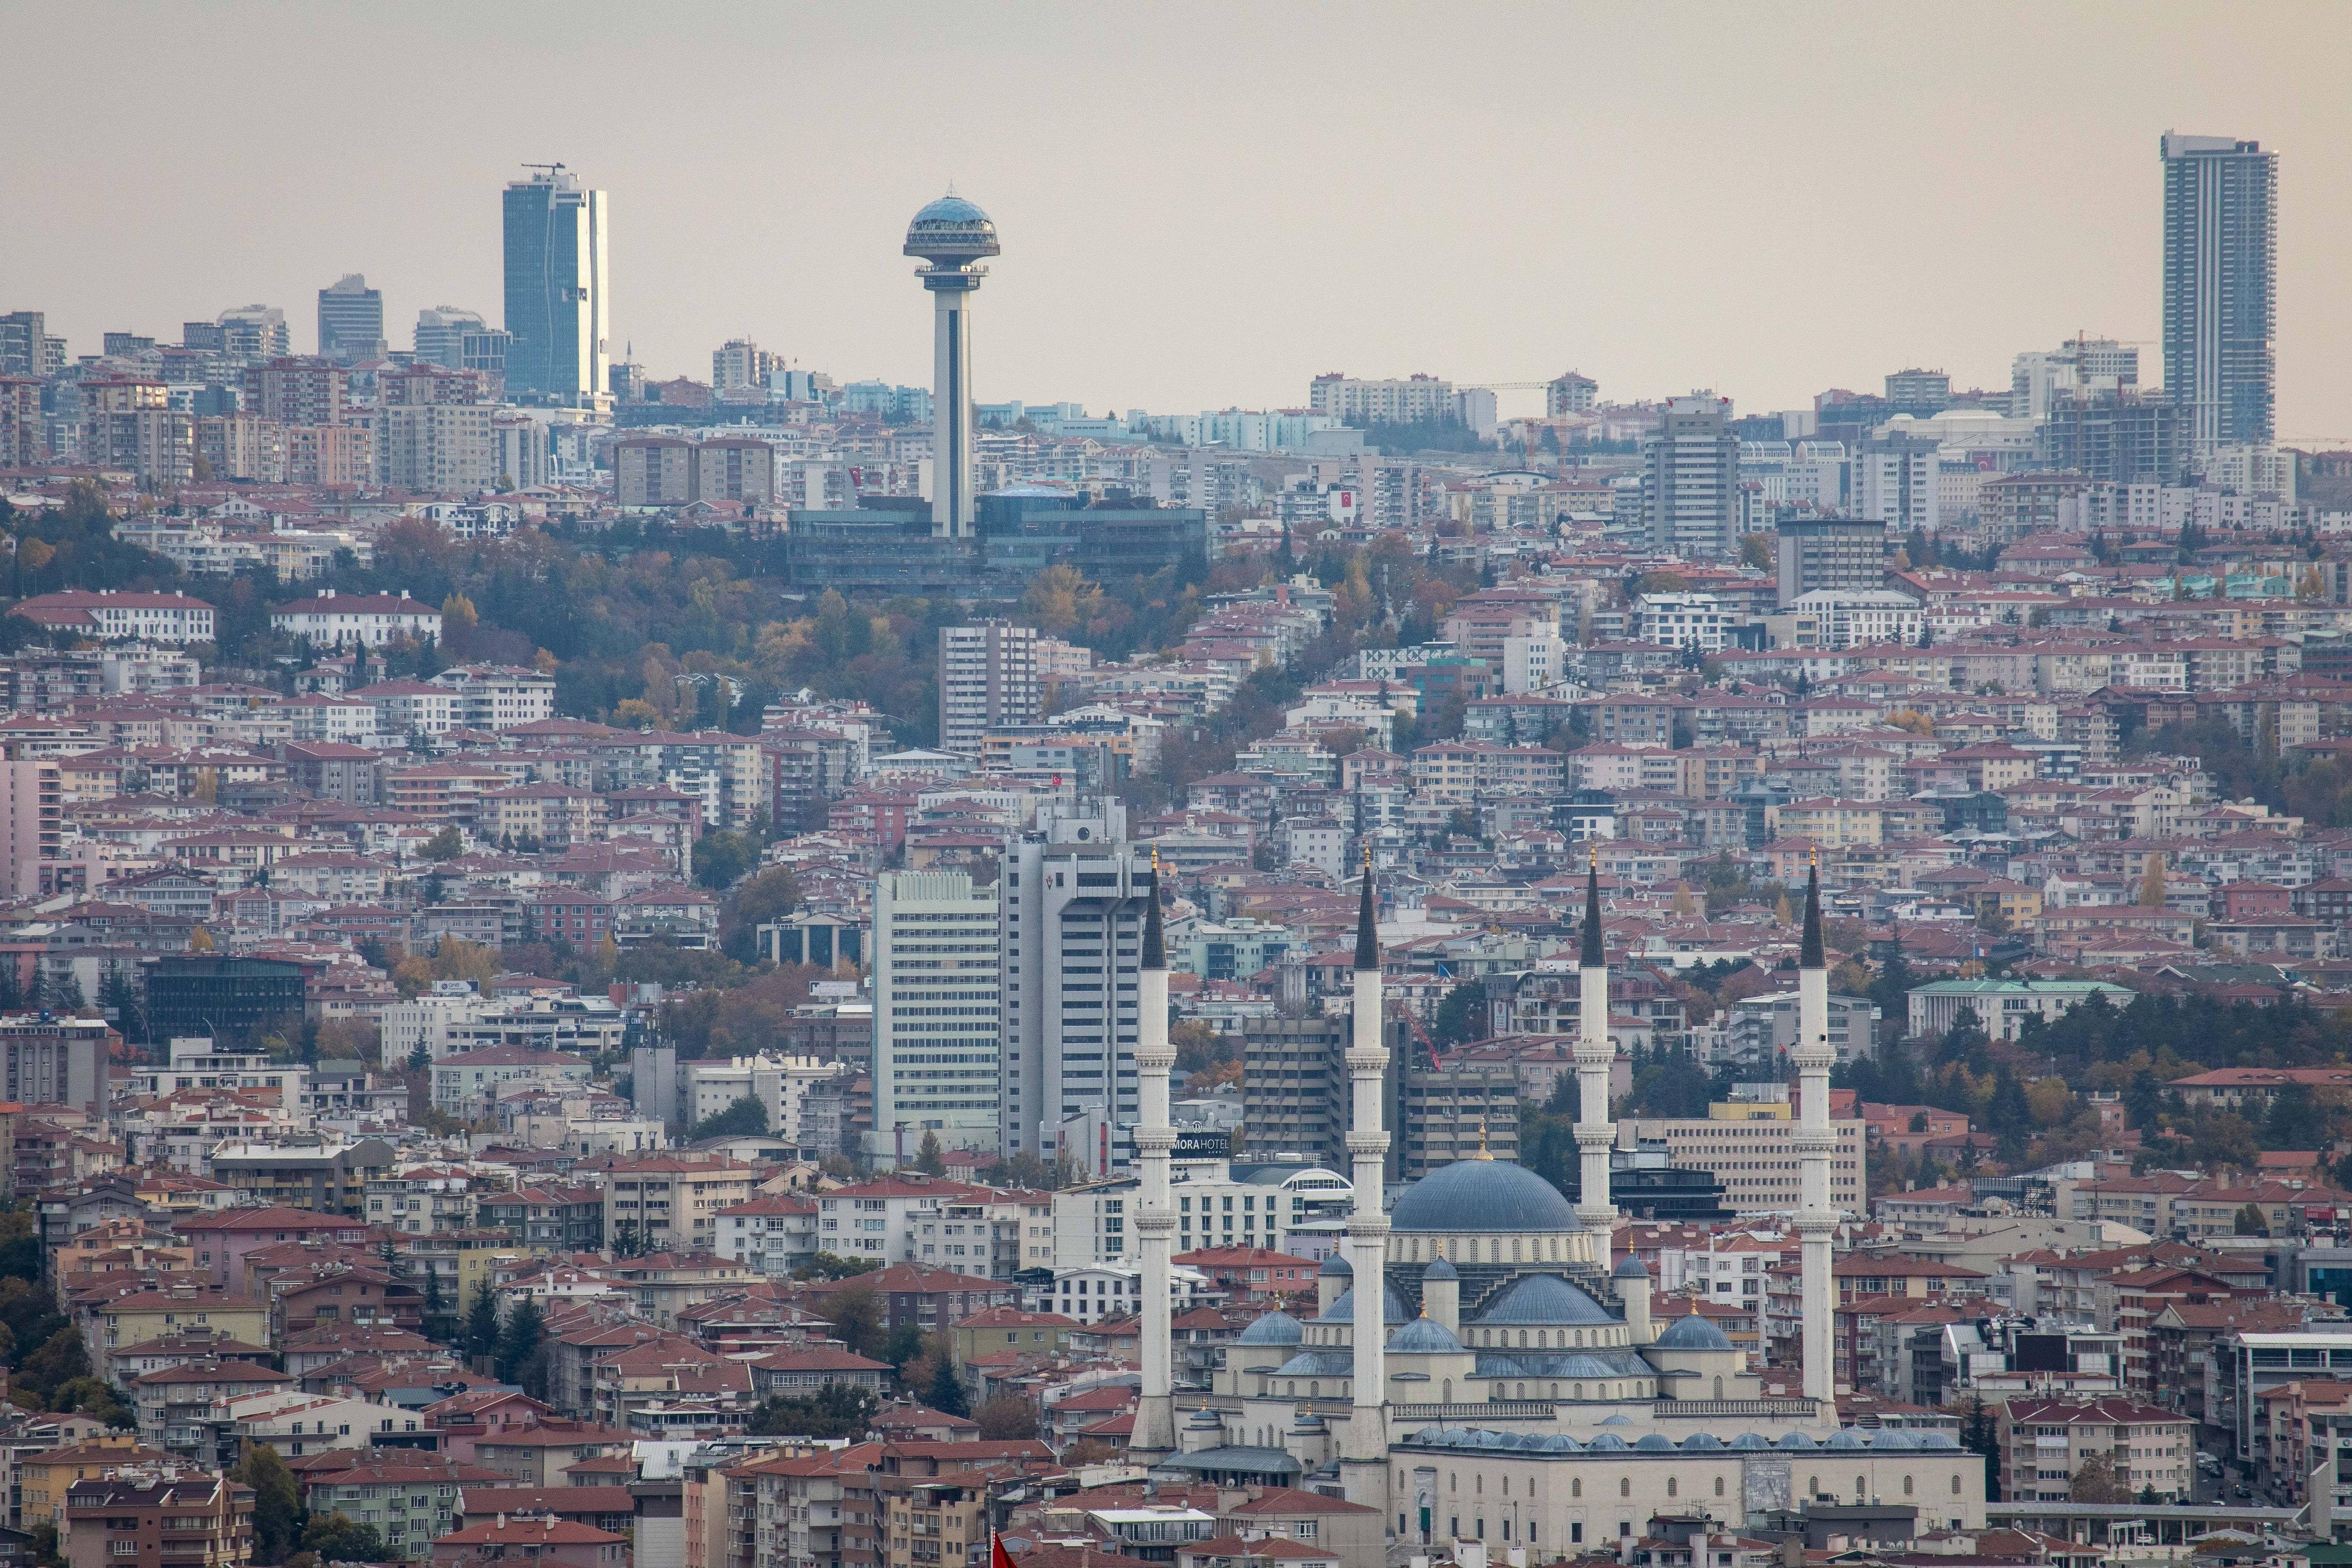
column 61, row 1358
column 747, row 1117
column 2250, row 1221
column 1005, row 1419
column 277, row 1503
column 1980, row 1434
column 520, row 1340
column 723, row 858
column 1462, row 1016
column 445, row 845
column 945, row 1394
column 337, row 1539
column 857, row 1313
column 931, row 1158
column 836, row 1410
column 826, row 1265
column 482, row 1320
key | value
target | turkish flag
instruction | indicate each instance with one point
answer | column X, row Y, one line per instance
column 997, row 1556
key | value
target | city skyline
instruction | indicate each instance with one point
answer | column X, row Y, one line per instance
column 1452, row 235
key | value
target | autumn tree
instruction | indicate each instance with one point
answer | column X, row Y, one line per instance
column 2096, row 1479
column 2151, row 884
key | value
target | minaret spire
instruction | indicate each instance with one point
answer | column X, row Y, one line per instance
column 1364, row 1450
column 1814, row 1140
column 1155, row 1413
column 1595, row 1133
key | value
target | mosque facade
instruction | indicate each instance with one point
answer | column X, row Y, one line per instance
column 1518, row 1390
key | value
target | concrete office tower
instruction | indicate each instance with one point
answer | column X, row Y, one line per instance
column 1364, row 1456
column 1813, row 1142
column 989, row 677
column 441, row 335
column 1071, row 905
column 1155, row 1410
column 1812, row 553
column 1690, row 481
column 936, row 979
column 350, row 320
column 558, row 289
column 2220, row 269
column 1595, row 1133
column 952, row 234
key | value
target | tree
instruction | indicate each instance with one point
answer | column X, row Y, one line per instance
column 2096, row 1479
column 857, row 1313
column 836, row 1410
column 2151, row 884
column 1005, row 1419
column 747, row 1117
column 277, row 1504
column 1460, row 1017
column 445, row 845
column 946, row 1394
column 932, row 1159
column 337, row 1539
column 482, row 1320
column 520, row 1340
column 1979, row 1436
column 2250, row 1221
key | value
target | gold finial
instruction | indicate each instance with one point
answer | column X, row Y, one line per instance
column 1483, row 1154
column 1367, row 854
column 1155, row 859
column 1817, row 857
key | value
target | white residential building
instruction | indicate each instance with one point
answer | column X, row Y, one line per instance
column 1681, row 620
column 499, row 697
column 989, row 679
column 781, row 1085
column 338, row 621
column 937, row 991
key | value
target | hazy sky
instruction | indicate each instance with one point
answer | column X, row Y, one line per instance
column 1200, row 205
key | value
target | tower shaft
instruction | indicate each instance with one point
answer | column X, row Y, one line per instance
column 1364, row 1452
column 952, row 289
column 1155, row 1415
column 1816, row 1220
column 1595, row 1134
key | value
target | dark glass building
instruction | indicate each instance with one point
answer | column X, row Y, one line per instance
column 230, row 999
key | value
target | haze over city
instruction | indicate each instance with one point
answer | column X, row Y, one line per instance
column 1205, row 205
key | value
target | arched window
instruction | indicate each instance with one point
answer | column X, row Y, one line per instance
column 1515, row 1249
column 1718, row 1486
column 1575, row 1488
column 1861, row 1491
column 1555, row 1391
column 1523, row 1339
column 1580, row 1339
column 1956, row 1486
column 1624, row 1486
column 1718, row 1388
column 1906, row 1485
column 1578, row 1392
column 1447, row 1398
column 1314, row 1390
column 1673, row 1489
column 1812, row 1486
column 1522, row 1391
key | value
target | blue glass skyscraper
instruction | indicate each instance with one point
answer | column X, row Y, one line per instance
column 557, row 289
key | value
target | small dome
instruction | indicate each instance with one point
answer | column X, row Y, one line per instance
column 1618, row 1421
column 1440, row 1269
column 1425, row 1336
column 1481, row 1196
column 1606, row 1443
column 1274, row 1329
column 1698, row 1441
column 1749, row 1440
column 1934, row 1438
column 1631, row 1268
column 1693, row 1333
column 1337, row 1267
column 1793, row 1440
column 1846, row 1437
column 1547, row 1301
column 1893, row 1437
column 1343, row 1310
column 1655, row 1443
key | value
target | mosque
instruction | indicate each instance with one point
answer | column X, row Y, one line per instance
column 1517, row 1390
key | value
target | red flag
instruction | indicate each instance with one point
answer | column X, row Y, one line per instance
column 997, row 1556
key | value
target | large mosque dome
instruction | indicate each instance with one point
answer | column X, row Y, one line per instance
column 1481, row 1196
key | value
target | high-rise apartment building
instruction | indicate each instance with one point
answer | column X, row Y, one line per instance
column 937, row 971
column 1892, row 480
column 1815, row 553
column 989, row 677
column 441, row 334
column 558, row 288
column 25, row 347
column 254, row 331
column 304, row 391
column 1571, row 394
column 442, row 448
column 740, row 363
column 22, row 439
column 131, row 424
column 2085, row 365
column 350, row 320
column 1690, row 479
column 242, row 446
column 1927, row 390
column 2114, row 435
column 1413, row 400
column 32, row 823
column 1071, row 899
column 2220, row 266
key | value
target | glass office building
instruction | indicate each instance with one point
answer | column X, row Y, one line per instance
column 557, row 289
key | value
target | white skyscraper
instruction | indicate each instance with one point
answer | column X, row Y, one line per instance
column 936, row 1036
column 1071, row 899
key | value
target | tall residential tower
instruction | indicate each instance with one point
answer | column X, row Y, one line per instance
column 2221, row 268
column 952, row 234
